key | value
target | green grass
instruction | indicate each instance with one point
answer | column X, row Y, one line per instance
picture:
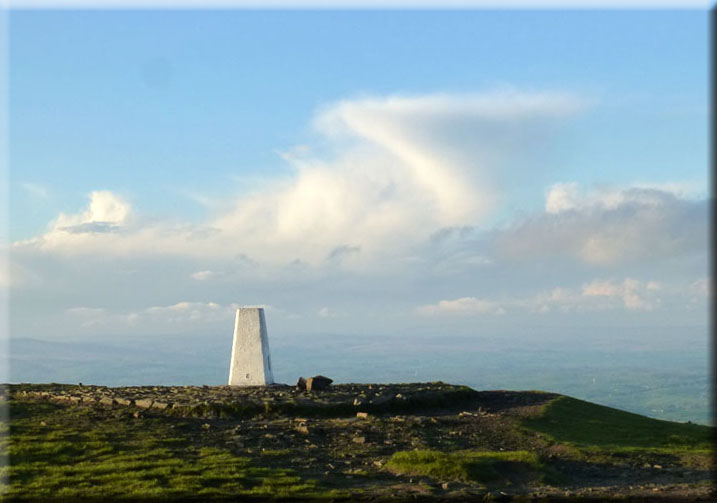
column 467, row 466
column 80, row 452
column 275, row 452
column 72, row 455
column 583, row 424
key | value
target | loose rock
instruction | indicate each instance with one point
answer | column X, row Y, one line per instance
column 144, row 403
column 318, row 383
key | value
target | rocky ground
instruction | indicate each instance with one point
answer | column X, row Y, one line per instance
column 345, row 438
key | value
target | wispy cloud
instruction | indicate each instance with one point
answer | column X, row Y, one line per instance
column 597, row 295
column 326, row 312
column 36, row 190
column 203, row 275
column 462, row 307
column 183, row 314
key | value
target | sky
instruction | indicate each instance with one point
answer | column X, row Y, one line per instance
column 358, row 172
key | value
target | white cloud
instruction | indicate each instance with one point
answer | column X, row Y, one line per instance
column 105, row 208
column 702, row 286
column 683, row 189
column 203, row 275
column 561, row 197
column 181, row 314
column 393, row 200
column 609, row 226
column 447, row 147
column 699, row 291
column 465, row 306
column 326, row 312
column 635, row 295
column 597, row 295
column 397, row 169
column 88, row 231
column 603, row 288
column 654, row 286
column 35, row 190
column 86, row 312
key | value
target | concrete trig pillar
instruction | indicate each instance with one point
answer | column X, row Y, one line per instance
column 251, row 362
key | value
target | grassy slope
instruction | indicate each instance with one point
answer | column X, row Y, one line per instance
column 590, row 428
column 486, row 467
column 579, row 423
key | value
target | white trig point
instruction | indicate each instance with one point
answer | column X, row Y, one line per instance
column 251, row 362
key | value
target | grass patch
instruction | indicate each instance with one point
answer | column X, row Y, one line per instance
column 275, row 453
column 572, row 421
column 81, row 452
column 472, row 466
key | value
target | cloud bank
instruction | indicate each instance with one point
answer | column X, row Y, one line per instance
column 609, row 226
column 392, row 207
column 597, row 295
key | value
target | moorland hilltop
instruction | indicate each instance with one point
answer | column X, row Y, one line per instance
column 424, row 441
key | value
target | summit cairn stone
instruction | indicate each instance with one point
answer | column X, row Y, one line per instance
column 317, row 383
column 250, row 360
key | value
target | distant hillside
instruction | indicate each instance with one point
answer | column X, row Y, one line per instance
column 352, row 441
column 653, row 372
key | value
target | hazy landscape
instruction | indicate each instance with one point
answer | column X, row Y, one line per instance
column 665, row 378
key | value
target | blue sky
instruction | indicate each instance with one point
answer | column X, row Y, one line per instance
column 165, row 103
column 492, row 169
